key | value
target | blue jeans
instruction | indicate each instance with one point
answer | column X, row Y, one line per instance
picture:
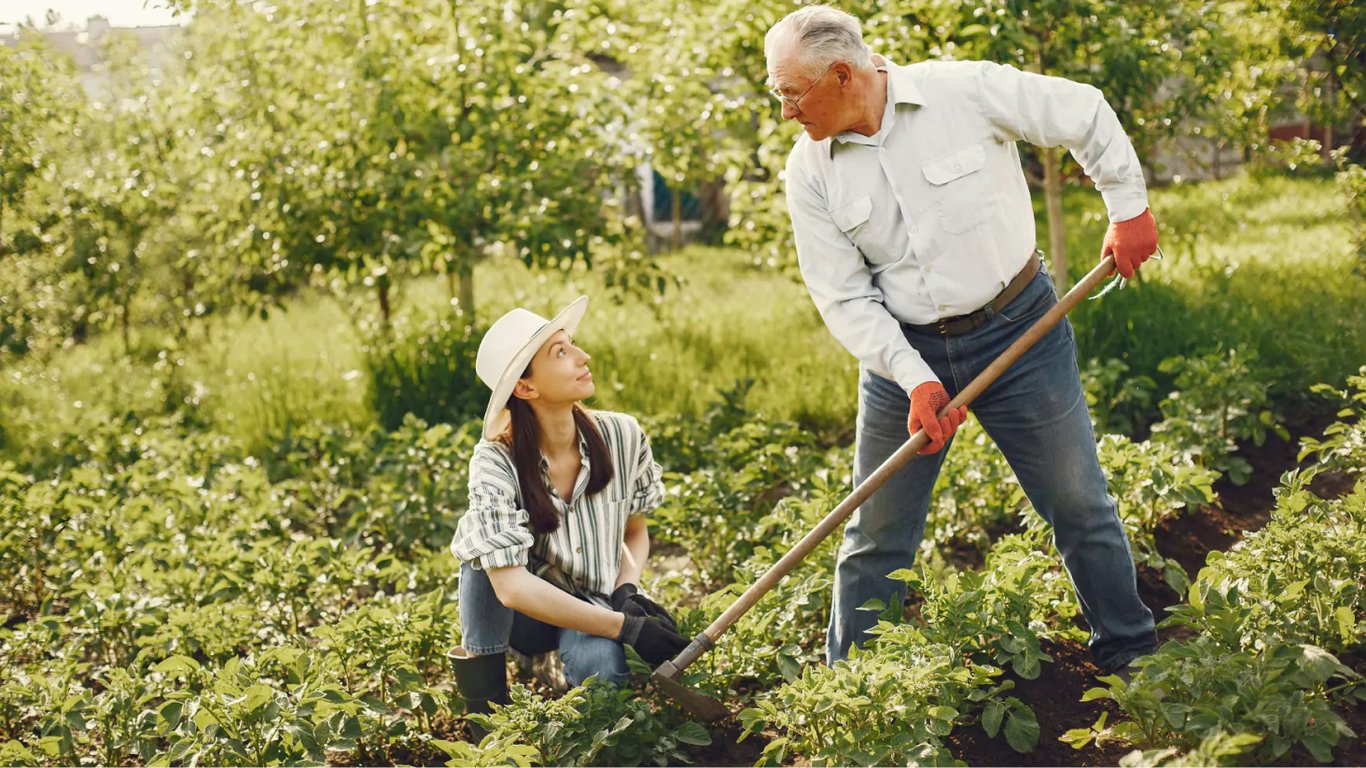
column 1037, row 415
column 491, row 627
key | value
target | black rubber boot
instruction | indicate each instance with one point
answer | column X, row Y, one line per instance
column 481, row 680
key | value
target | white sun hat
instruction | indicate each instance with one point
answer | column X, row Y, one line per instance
column 508, row 347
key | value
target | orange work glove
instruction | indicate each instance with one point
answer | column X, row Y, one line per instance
column 1131, row 242
column 927, row 400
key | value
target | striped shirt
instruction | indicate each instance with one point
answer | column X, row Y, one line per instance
column 583, row 555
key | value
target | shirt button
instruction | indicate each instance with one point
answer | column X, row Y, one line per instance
column 580, row 549
column 957, row 167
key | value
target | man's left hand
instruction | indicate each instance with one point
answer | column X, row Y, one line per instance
column 1131, row 242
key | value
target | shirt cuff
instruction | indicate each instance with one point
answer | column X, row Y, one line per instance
column 651, row 496
column 502, row 558
column 503, row 550
column 1125, row 204
column 910, row 370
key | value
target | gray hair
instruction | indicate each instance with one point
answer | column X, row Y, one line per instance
column 824, row 35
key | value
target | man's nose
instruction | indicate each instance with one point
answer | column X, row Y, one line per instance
column 789, row 111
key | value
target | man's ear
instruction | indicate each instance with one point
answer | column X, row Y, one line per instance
column 524, row 391
column 843, row 72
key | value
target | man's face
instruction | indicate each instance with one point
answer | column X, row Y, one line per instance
column 820, row 101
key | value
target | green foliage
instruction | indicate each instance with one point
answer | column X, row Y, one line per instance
column 784, row 632
column 1212, row 751
column 999, row 615
column 1301, row 579
column 1256, row 265
column 1120, row 400
column 1153, row 482
column 1351, row 180
column 1266, row 619
column 1217, row 402
column 593, row 724
column 891, row 706
column 717, row 512
column 1192, row 690
column 1343, row 447
column 425, row 367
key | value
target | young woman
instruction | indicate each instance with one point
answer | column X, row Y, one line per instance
column 555, row 537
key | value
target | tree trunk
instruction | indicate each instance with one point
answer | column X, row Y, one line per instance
column 1052, row 191
column 676, row 199
column 1057, row 236
column 467, row 292
column 127, row 347
column 383, row 285
column 450, row 281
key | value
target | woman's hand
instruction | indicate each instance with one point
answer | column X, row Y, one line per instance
column 652, row 638
column 628, row 599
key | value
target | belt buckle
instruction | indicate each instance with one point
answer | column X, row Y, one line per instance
column 941, row 327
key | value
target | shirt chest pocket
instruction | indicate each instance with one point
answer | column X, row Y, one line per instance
column 856, row 220
column 961, row 188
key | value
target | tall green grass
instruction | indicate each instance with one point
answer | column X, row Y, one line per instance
column 1261, row 264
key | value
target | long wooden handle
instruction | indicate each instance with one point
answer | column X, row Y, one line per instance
column 891, row 466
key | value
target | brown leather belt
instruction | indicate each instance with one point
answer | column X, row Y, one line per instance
column 952, row 326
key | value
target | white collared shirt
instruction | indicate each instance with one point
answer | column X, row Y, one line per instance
column 931, row 217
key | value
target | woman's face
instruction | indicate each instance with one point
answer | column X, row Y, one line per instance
column 558, row 372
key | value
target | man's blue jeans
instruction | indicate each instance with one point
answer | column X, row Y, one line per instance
column 491, row 627
column 1037, row 415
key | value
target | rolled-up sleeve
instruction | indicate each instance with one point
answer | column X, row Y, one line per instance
column 647, row 486
column 1053, row 111
column 495, row 532
column 842, row 288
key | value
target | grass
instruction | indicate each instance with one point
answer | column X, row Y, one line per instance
column 1261, row 264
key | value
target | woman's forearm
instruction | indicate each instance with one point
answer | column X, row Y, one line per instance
column 524, row 592
column 635, row 551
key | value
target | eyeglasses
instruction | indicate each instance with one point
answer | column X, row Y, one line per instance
column 793, row 101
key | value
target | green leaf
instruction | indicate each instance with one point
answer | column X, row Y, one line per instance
column 1022, row 729
column 992, row 716
column 1097, row 693
column 177, row 664
column 170, row 713
column 1346, row 623
column 1318, row 663
column 1319, row 747
column 694, row 734
column 943, row 713
column 256, row 697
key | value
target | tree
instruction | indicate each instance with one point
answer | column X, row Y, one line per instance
column 39, row 100
column 404, row 137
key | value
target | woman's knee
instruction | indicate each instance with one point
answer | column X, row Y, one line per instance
column 594, row 656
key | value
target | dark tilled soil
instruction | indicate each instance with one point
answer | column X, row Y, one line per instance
column 1057, row 712
column 1056, row 695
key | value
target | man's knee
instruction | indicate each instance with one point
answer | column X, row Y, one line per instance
column 595, row 656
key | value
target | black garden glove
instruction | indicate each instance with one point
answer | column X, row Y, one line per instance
column 628, row 599
column 652, row 638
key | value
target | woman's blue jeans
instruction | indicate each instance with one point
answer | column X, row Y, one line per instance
column 1037, row 415
column 491, row 627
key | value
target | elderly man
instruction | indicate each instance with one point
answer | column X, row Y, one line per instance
column 915, row 237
